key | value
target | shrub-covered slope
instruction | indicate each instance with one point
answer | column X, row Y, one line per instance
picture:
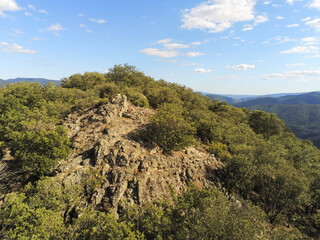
column 267, row 186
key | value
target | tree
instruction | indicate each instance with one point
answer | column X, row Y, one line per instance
column 84, row 82
column 169, row 129
column 265, row 123
column 38, row 151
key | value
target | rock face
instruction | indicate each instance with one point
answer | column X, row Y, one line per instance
column 127, row 171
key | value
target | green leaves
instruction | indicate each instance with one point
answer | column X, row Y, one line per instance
column 265, row 123
column 169, row 129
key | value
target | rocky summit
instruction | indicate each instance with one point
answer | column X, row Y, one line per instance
column 102, row 140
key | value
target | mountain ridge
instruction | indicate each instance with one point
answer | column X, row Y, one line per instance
column 42, row 81
column 234, row 99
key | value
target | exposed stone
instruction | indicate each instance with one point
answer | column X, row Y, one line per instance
column 130, row 172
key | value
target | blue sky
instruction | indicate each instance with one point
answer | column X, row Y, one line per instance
column 217, row 46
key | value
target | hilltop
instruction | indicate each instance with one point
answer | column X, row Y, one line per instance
column 122, row 156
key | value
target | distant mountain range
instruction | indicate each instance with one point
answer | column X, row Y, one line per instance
column 43, row 81
column 300, row 112
column 233, row 99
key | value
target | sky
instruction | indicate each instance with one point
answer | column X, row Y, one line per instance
column 215, row 46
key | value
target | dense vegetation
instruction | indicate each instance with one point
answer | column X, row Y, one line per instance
column 301, row 113
column 274, row 175
column 42, row 81
column 302, row 119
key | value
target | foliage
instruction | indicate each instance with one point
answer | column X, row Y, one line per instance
column 274, row 174
column 91, row 180
column 93, row 225
column 137, row 98
column 83, row 82
column 39, row 150
column 265, row 123
column 168, row 129
column 162, row 95
column 202, row 214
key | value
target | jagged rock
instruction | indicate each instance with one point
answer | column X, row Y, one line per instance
column 130, row 172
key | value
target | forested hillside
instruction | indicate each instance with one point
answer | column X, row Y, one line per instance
column 300, row 113
column 308, row 98
column 42, row 81
column 267, row 188
column 2, row 83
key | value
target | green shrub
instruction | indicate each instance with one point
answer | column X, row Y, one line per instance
column 169, row 129
column 38, row 151
column 136, row 98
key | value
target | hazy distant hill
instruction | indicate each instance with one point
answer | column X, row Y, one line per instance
column 228, row 100
column 301, row 113
column 43, row 81
column 2, row 82
column 233, row 99
column 307, row 98
column 303, row 119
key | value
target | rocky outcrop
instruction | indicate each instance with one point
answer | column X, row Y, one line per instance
column 127, row 170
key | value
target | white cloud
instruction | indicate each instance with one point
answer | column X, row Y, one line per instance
column 202, row 70
column 247, row 28
column 43, row 11
column 295, row 74
column 55, row 28
column 301, row 49
column 267, row 2
column 81, row 15
column 295, row 64
column 171, row 46
column 8, row 5
column 38, row 38
column 305, row 19
column 315, row 4
column 292, row 25
column 99, row 21
column 28, row 14
column 15, row 48
column 194, row 54
column 259, row 19
column 168, row 44
column 159, row 53
column 279, row 40
column 310, row 40
column 315, row 23
column 197, row 43
column 279, row 17
column 218, row 15
column 163, row 41
column 292, row 1
column 241, row 67
column 86, row 28
column 32, row 7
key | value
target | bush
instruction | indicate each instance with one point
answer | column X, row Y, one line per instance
column 38, row 151
column 84, row 82
column 136, row 98
column 169, row 129
column 107, row 90
column 265, row 123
